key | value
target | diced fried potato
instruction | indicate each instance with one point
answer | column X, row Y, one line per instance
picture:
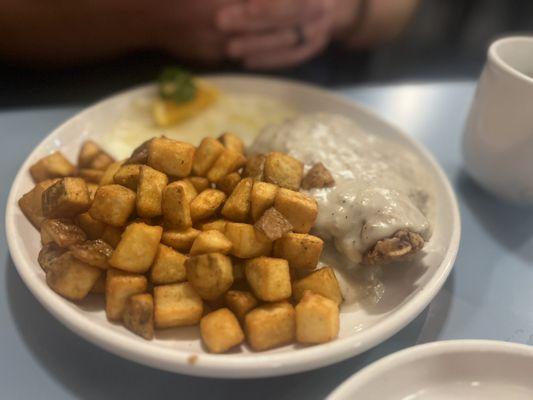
column 261, row 198
column 211, row 274
column 92, row 252
column 113, row 205
column 301, row 250
column 283, row 170
column 240, row 302
column 91, row 175
column 62, row 232
column 247, row 242
column 273, row 224
column 150, row 192
column 216, row 225
column 237, row 206
column 199, row 182
column 109, row 173
column 177, row 304
column 138, row 315
column 66, row 198
column 120, row 286
column 206, row 155
column 210, row 242
column 88, row 151
column 180, row 240
column 31, row 203
column 270, row 326
column 128, row 176
column 221, row 331
column 206, row 204
column 112, row 235
column 137, row 248
column 322, row 281
column 140, row 154
column 318, row 177
column 48, row 253
column 299, row 209
column 92, row 228
column 99, row 285
column 269, row 278
column 172, row 157
column 255, row 166
column 168, row 266
column 232, row 142
column 92, row 188
column 317, row 319
column 190, row 190
column 54, row 165
column 70, row 277
column 228, row 162
column 176, row 206
column 102, row 161
column 228, row 183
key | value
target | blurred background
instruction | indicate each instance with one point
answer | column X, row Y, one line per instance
column 445, row 39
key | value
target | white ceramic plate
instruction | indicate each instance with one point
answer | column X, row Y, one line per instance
column 409, row 289
column 457, row 369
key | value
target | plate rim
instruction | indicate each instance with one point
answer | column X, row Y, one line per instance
column 230, row 366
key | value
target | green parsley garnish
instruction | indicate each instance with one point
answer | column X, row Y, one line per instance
column 177, row 85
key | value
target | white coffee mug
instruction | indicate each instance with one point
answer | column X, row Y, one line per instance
column 498, row 137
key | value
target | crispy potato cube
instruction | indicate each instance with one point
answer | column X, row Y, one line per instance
column 168, row 266
column 138, row 315
column 176, row 206
column 269, row 278
column 66, row 198
column 216, row 225
column 255, row 166
column 92, row 188
column 88, row 151
column 177, row 304
column 137, row 248
column 150, row 192
column 240, row 302
column 119, row 287
column 70, row 277
column 228, row 162
column 211, row 274
column 113, row 205
column 210, row 242
column 221, row 331
column 232, row 142
column 318, row 177
column 199, row 182
column 48, row 253
column 62, row 232
column 92, row 252
column 128, row 176
column 237, row 207
column 317, row 319
column 54, row 165
column 299, row 209
column 180, row 240
column 172, row 157
column 322, row 281
column 31, row 203
column 283, row 170
column 109, row 173
column 99, row 285
column 206, row 155
column 206, row 204
column 262, row 198
column 273, row 224
column 102, row 161
column 247, row 242
column 270, row 325
column 190, row 190
column 301, row 250
column 92, row 228
column 228, row 183
column 112, row 235
column 91, row 175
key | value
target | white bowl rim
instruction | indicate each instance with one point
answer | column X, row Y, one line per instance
column 231, row 366
column 422, row 351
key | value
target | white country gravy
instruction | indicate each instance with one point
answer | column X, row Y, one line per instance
column 380, row 186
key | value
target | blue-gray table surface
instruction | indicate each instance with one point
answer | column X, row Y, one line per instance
column 488, row 294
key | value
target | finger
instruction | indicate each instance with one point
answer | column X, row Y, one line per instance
column 256, row 43
column 259, row 15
